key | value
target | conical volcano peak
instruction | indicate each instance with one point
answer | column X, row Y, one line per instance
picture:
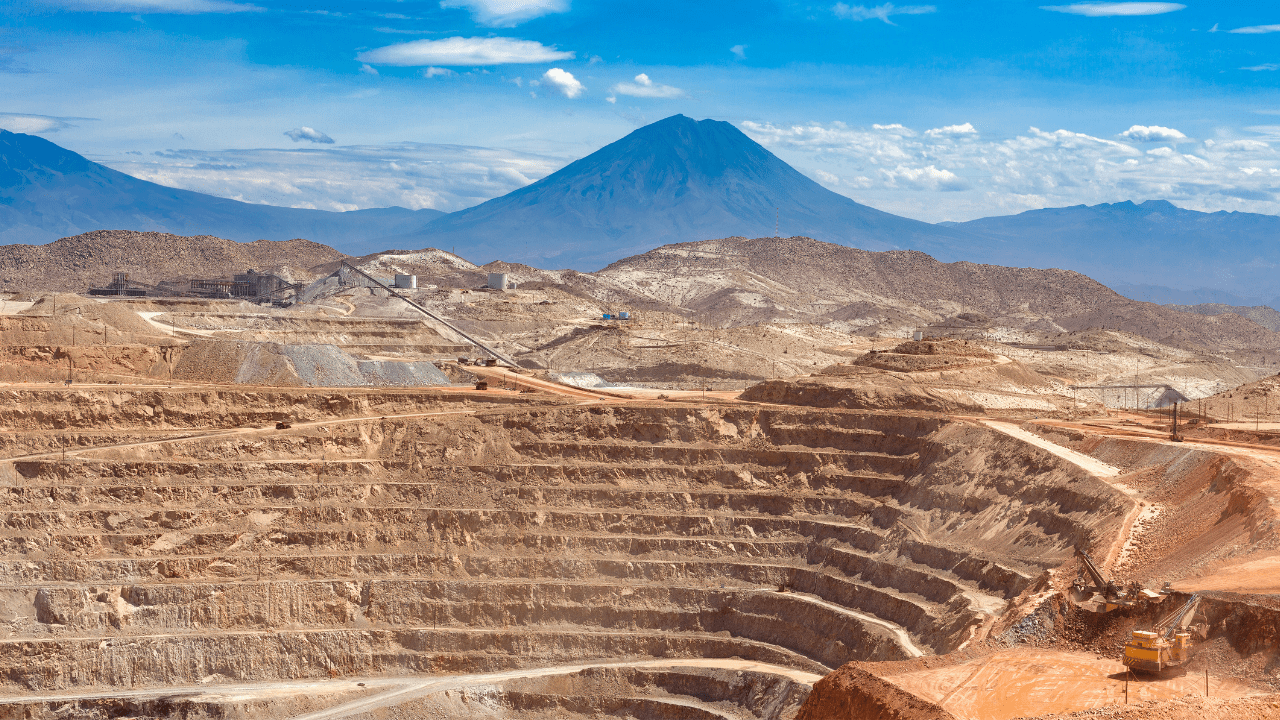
column 674, row 180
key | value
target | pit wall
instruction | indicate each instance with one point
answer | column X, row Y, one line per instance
column 1209, row 511
column 63, row 408
column 932, row 500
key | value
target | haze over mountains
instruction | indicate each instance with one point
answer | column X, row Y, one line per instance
column 676, row 180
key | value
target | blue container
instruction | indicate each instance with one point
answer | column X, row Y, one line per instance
column 607, row 316
column 624, row 316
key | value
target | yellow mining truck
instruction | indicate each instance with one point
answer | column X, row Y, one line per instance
column 1167, row 644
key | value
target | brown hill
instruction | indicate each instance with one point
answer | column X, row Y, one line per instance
column 742, row 281
column 83, row 261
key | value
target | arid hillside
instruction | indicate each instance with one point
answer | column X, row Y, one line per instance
column 742, row 281
column 77, row 263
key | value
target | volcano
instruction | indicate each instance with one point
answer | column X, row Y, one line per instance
column 676, row 180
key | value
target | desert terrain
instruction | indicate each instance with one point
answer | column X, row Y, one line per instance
column 757, row 496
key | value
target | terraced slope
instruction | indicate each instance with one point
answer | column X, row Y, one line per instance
column 398, row 533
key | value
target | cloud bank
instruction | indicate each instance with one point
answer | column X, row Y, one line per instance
column 462, row 51
column 959, row 176
column 410, row 175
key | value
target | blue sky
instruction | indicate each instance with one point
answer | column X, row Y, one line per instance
column 937, row 111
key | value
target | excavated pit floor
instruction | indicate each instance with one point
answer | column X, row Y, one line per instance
column 1029, row 683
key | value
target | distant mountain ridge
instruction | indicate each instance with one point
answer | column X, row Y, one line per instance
column 1152, row 243
column 675, row 180
column 48, row 192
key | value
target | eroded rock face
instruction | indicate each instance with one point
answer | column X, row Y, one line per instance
column 851, row 693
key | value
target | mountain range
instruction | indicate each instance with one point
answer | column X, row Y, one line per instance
column 676, row 180
column 48, row 192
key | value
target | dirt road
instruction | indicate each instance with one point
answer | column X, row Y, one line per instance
column 394, row 691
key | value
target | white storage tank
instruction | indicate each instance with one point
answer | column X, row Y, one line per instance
column 407, row 282
column 498, row 281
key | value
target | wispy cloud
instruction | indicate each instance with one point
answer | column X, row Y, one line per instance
column 643, row 87
column 1102, row 9
column 457, row 51
column 148, row 7
column 507, row 13
column 1256, row 29
column 879, row 12
column 309, row 134
column 35, row 124
column 1263, row 67
column 1153, row 133
column 739, row 51
column 562, row 82
column 433, row 71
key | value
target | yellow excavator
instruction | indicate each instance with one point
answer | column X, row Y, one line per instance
column 1167, row 644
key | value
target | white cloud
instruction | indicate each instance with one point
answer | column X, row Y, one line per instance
column 411, row 175
column 33, row 124
column 171, row 7
column 925, row 178
column 433, row 71
column 564, row 82
column 896, row 129
column 739, row 51
column 643, row 87
column 1101, row 9
column 309, row 134
column 952, row 130
column 368, row 70
column 463, row 51
column 507, row 13
column 879, row 12
column 1153, row 133
column 1264, row 66
column 1256, row 29
column 1162, row 152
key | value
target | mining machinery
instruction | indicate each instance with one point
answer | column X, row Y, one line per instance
column 1167, row 644
column 1112, row 594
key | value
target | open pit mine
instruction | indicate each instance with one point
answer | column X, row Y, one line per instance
column 351, row 505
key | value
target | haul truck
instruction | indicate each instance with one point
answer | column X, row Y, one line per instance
column 1167, row 644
